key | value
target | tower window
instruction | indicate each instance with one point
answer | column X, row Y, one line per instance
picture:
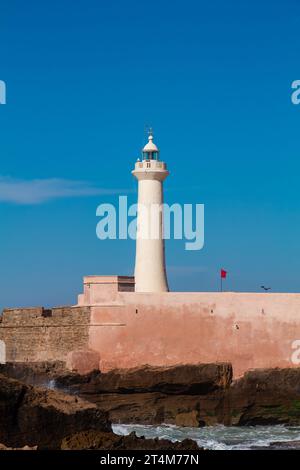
column 150, row 155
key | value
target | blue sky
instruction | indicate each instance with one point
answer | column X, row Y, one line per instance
column 83, row 79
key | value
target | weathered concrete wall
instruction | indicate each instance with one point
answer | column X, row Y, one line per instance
column 35, row 334
column 129, row 329
column 248, row 330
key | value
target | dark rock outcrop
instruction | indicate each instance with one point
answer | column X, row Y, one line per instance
column 35, row 416
column 33, row 373
column 187, row 395
column 266, row 396
column 110, row 441
column 157, row 408
column 194, row 395
column 187, row 379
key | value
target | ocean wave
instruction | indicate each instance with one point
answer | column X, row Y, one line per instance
column 218, row 437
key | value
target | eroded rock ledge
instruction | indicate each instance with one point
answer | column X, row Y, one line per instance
column 35, row 416
column 187, row 395
column 38, row 418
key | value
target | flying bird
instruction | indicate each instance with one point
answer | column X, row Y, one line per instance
column 265, row 288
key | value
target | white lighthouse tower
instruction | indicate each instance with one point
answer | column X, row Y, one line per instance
column 150, row 269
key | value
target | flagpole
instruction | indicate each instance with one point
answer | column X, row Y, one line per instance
column 221, row 284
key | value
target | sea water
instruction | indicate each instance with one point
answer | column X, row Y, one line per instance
column 221, row 437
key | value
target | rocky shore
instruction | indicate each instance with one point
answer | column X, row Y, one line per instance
column 187, row 395
column 38, row 418
column 194, row 395
column 190, row 395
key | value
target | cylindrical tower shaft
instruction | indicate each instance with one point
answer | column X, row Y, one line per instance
column 150, row 270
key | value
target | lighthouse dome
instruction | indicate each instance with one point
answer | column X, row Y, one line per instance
column 150, row 146
column 150, row 151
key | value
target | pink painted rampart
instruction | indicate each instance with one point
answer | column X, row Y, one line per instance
column 250, row 330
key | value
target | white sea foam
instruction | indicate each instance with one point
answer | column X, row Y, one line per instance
column 218, row 437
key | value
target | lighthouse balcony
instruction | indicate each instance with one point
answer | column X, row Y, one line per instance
column 150, row 164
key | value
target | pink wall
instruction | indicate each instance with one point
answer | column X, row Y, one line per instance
column 247, row 329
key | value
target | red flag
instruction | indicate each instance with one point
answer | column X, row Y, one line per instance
column 223, row 274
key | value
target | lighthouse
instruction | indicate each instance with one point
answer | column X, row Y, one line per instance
column 150, row 269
